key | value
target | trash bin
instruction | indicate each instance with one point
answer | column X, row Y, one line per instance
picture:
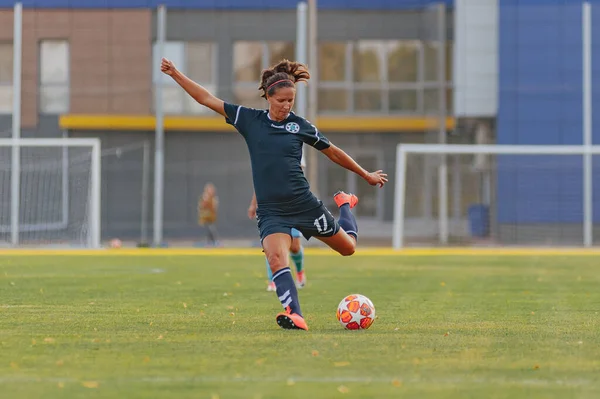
column 479, row 220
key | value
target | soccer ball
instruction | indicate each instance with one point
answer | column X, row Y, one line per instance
column 356, row 312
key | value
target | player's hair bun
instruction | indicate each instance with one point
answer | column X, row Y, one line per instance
column 285, row 74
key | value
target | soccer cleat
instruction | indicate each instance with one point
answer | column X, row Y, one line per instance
column 342, row 198
column 301, row 279
column 291, row 321
column 271, row 287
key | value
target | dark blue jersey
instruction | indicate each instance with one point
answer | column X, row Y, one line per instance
column 275, row 153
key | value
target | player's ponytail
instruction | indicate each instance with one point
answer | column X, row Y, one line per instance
column 285, row 74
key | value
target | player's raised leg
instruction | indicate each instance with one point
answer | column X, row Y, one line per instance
column 344, row 241
column 276, row 247
column 347, row 221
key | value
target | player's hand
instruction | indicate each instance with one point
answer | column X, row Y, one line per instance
column 167, row 67
column 377, row 178
column 252, row 212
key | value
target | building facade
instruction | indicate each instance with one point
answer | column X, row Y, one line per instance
column 90, row 69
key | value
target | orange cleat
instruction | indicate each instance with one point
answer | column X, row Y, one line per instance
column 342, row 198
column 291, row 321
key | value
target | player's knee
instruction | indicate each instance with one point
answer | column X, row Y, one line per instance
column 277, row 261
column 348, row 249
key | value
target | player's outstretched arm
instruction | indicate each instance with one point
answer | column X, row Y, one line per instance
column 337, row 155
column 197, row 92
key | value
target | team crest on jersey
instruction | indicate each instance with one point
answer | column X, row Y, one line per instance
column 292, row 127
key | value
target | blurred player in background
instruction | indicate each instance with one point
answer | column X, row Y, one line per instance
column 208, row 205
column 296, row 249
column 274, row 138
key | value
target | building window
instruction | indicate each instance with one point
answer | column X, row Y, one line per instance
column 431, row 92
column 403, row 67
column 6, row 77
column 54, row 77
column 249, row 59
column 195, row 59
column 368, row 73
column 378, row 76
column 334, row 72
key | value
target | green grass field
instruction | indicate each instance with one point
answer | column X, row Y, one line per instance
column 204, row 327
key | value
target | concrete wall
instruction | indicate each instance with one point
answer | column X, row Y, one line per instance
column 194, row 159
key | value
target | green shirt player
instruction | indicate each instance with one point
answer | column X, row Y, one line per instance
column 274, row 138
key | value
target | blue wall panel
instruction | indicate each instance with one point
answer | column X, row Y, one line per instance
column 540, row 91
column 226, row 4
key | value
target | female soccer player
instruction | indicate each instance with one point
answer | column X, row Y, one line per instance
column 274, row 138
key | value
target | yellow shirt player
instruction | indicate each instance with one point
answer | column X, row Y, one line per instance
column 208, row 205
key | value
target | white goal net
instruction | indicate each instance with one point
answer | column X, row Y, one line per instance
column 50, row 192
column 495, row 195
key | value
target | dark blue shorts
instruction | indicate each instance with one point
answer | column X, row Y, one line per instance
column 317, row 222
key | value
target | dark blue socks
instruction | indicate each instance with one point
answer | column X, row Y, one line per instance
column 347, row 221
column 286, row 290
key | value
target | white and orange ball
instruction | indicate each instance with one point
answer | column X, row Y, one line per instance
column 115, row 243
column 356, row 312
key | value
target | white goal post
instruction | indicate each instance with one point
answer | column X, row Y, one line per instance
column 530, row 194
column 50, row 192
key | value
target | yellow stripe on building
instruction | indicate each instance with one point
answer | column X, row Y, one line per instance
column 140, row 122
column 371, row 124
column 383, row 124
